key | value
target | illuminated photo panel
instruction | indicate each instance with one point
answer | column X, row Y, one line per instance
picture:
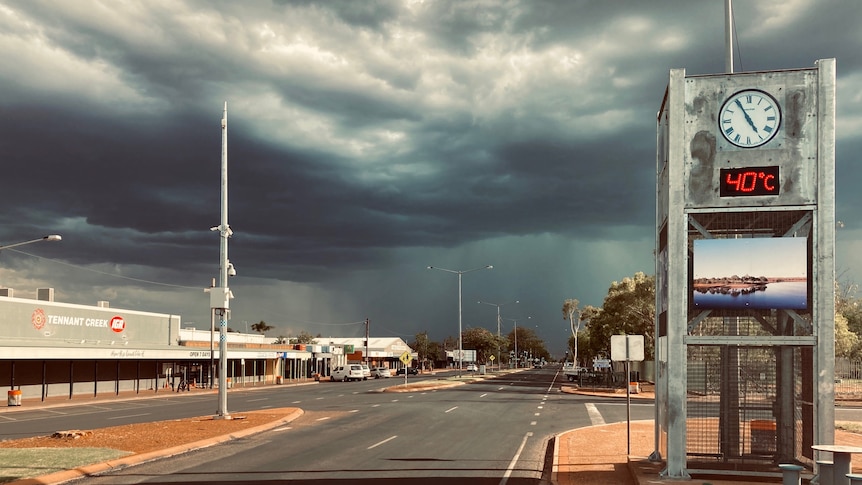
column 755, row 273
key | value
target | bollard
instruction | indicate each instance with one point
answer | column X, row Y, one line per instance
column 790, row 474
column 824, row 473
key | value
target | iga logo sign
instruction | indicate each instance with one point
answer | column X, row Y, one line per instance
column 38, row 319
column 118, row 324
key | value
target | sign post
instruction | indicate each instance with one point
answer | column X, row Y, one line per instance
column 628, row 348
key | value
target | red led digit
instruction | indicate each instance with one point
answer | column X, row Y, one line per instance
column 734, row 182
column 749, row 182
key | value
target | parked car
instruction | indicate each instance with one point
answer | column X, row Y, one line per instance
column 472, row 368
column 379, row 372
column 410, row 370
column 349, row 372
column 366, row 372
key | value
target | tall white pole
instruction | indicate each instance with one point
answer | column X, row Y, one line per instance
column 728, row 36
column 460, row 344
column 221, row 305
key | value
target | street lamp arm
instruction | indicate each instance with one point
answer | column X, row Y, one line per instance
column 461, row 271
column 50, row 237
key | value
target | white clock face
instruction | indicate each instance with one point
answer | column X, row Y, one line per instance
column 749, row 118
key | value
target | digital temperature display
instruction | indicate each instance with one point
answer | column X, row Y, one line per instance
column 737, row 182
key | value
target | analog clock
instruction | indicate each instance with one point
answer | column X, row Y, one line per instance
column 749, row 118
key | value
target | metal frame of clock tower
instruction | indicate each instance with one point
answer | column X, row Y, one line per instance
column 738, row 385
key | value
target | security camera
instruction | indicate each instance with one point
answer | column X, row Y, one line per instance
column 231, row 271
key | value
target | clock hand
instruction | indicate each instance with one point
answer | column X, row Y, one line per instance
column 747, row 118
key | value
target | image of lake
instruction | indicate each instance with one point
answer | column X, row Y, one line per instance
column 783, row 295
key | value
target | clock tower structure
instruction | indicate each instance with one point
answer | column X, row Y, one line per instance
column 745, row 235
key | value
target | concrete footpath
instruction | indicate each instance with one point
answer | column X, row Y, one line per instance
column 595, row 455
column 599, row 455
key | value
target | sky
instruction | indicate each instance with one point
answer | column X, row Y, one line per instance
column 368, row 140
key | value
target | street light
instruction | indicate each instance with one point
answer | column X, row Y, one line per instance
column 498, row 305
column 516, row 338
column 459, row 273
column 50, row 237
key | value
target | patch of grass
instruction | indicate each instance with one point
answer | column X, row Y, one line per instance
column 851, row 426
column 18, row 463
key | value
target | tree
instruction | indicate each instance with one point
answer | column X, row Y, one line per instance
column 482, row 341
column 305, row 338
column 529, row 343
column 628, row 308
column 421, row 343
column 570, row 307
column 846, row 342
column 848, row 305
column 261, row 327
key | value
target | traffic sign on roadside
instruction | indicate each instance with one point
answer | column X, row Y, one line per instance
column 405, row 358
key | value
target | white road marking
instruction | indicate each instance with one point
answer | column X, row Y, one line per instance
column 515, row 459
column 500, row 388
column 8, row 418
column 354, row 411
column 284, row 428
column 265, row 407
column 380, row 443
column 296, row 402
column 537, row 414
column 483, row 395
column 258, row 399
column 595, row 416
column 533, row 423
column 375, row 405
column 129, row 416
column 540, row 407
column 452, row 409
column 394, row 400
column 323, row 418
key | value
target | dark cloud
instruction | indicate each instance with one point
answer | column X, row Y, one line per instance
column 367, row 140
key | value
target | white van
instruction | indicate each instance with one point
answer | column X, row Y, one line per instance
column 349, row 372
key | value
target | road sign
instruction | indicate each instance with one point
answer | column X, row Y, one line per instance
column 627, row 347
column 492, row 358
column 405, row 358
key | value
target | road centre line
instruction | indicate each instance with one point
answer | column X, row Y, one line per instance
column 129, row 416
column 452, row 409
column 322, row 419
column 258, row 399
column 380, row 443
column 515, row 459
column 483, row 395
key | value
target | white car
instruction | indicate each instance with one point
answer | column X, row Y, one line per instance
column 379, row 372
column 349, row 372
column 472, row 368
column 366, row 372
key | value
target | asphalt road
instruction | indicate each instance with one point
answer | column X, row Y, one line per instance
column 494, row 431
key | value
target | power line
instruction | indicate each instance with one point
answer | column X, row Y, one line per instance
column 139, row 280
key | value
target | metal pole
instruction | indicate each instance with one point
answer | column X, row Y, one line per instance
column 460, row 345
column 499, row 362
column 516, row 343
column 222, row 299
column 728, row 36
